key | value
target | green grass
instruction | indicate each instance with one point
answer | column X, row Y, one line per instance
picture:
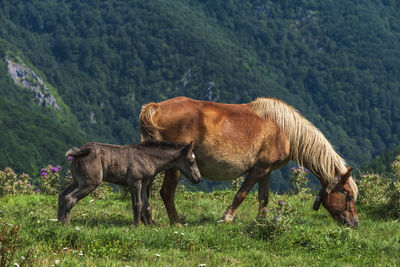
column 101, row 234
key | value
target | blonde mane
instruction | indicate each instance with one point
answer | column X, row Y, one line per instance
column 308, row 146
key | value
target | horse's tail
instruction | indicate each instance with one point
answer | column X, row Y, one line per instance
column 148, row 127
column 76, row 152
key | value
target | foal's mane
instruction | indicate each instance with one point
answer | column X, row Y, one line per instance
column 161, row 144
column 308, row 146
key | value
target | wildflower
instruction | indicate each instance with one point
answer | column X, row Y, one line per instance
column 43, row 170
column 281, row 202
column 54, row 169
column 53, row 220
column 59, row 168
column 175, row 233
column 37, row 191
column 293, row 168
column 43, row 174
column 16, row 264
column 158, row 255
column 306, row 170
column 91, row 201
column 277, row 218
column 182, row 234
column 202, row 265
column 57, row 262
column 69, row 158
column 77, row 228
column 80, row 253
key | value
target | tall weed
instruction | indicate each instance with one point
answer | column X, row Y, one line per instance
column 12, row 184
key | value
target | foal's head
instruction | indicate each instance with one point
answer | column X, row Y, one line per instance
column 187, row 164
column 339, row 199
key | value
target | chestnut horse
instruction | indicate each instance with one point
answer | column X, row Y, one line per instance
column 254, row 138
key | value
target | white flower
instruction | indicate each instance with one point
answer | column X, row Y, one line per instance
column 53, row 220
column 158, row 255
column 175, row 233
column 91, row 201
column 77, row 228
column 57, row 262
column 80, row 253
column 202, row 265
column 182, row 234
column 16, row 264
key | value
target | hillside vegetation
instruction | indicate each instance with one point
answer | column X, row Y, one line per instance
column 337, row 62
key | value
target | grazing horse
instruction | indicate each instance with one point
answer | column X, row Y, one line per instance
column 131, row 165
column 255, row 138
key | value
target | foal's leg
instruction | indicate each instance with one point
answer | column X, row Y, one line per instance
column 137, row 203
column 251, row 179
column 263, row 192
column 146, row 209
column 77, row 194
column 167, row 193
column 62, row 201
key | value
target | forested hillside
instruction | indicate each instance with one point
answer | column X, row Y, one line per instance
column 337, row 62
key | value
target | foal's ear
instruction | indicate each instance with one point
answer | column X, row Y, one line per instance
column 347, row 175
column 187, row 148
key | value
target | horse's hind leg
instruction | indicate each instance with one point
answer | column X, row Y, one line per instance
column 263, row 192
column 167, row 193
column 62, row 201
column 73, row 197
column 251, row 179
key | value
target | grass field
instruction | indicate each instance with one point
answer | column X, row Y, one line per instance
column 101, row 234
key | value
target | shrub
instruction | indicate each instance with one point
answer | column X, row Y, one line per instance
column 273, row 221
column 299, row 180
column 374, row 190
column 237, row 182
column 50, row 180
column 381, row 192
column 11, row 183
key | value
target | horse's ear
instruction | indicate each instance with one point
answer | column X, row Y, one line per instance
column 317, row 203
column 347, row 175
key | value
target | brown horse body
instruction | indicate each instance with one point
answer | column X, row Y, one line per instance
column 255, row 138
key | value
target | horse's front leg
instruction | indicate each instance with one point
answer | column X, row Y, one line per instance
column 167, row 192
column 251, row 179
column 263, row 192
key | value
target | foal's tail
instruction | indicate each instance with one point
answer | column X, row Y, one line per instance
column 149, row 130
column 76, row 152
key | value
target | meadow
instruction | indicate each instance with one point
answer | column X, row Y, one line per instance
column 101, row 234
column 289, row 233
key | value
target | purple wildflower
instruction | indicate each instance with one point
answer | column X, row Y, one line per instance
column 43, row 174
column 293, row 168
column 306, row 170
column 54, row 169
column 37, row 191
column 69, row 158
column 277, row 218
column 43, row 170
column 59, row 167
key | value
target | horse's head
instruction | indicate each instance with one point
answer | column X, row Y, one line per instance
column 338, row 198
column 187, row 164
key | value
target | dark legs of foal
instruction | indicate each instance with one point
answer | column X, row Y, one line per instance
column 167, row 193
column 252, row 178
column 68, row 198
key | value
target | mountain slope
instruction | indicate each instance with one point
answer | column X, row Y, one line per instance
column 337, row 62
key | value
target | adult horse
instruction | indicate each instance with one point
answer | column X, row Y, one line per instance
column 255, row 138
